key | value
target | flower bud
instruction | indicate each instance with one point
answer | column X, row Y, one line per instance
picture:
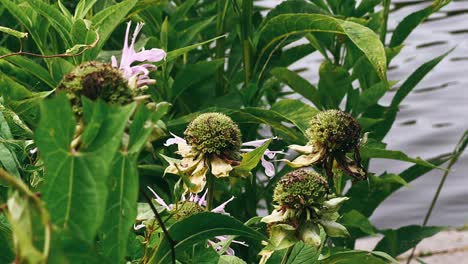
column 310, row 234
column 335, row 130
column 95, row 80
column 185, row 209
column 214, row 133
column 301, row 188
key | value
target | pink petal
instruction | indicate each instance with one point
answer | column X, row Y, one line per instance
column 269, row 167
column 152, row 55
column 174, row 140
column 220, row 208
column 255, row 143
column 114, row 62
column 202, row 200
column 158, row 199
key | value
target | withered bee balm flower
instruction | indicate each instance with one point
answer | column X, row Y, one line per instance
column 212, row 144
column 214, row 133
column 334, row 130
column 331, row 134
column 302, row 206
column 185, row 209
column 95, row 80
column 300, row 189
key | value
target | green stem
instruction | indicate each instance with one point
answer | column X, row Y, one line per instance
column 455, row 155
column 209, row 198
column 220, row 50
column 246, row 29
column 383, row 29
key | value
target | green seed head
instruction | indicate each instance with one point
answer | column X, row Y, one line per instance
column 214, row 133
column 95, row 80
column 301, row 188
column 185, row 209
column 334, row 130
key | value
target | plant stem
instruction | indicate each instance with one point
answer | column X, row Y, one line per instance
column 383, row 28
column 209, row 199
column 222, row 6
column 455, row 155
column 172, row 243
column 246, row 29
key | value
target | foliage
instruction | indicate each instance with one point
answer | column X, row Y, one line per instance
column 73, row 187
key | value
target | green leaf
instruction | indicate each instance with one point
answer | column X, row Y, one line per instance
column 368, row 152
column 258, row 115
column 19, row 13
column 333, row 84
column 400, row 240
column 199, row 228
column 298, row 84
column 415, row 78
column 365, row 6
column 121, row 206
column 55, row 17
column 354, row 219
column 227, row 259
column 6, row 242
column 83, row 7
column 106, row 21
column 296, row 112
column 31, row 67
column 370, row 96
column 410, row 22
column 357, row 257
column 199, row 254
column 174, row 54
column 13, row 32
column 303, row 253
column 251, row 159
column 74, row 186
column 192, row 74
column 7, row 156
column 293, row 7
column 284, row 26
column 380, row 188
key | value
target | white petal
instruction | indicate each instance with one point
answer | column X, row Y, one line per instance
column 307, row 149
column 138, row 227
column 219, row 167
column 275, row 216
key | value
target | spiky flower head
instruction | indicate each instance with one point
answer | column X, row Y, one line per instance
column 335, row 130
column 214, row 133
column 95, row 80
column 301, row 188
column 185, row 209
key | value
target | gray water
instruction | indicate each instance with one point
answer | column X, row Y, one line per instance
column 432, row 118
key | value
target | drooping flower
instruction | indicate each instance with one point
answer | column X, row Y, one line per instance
column 192, row 204
column 137, row 75
column 212, row 142
column 95, row 80
column 113, row 83
column 302, row 206
column 331, row 134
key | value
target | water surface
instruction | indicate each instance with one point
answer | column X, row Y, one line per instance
column 432, row 118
